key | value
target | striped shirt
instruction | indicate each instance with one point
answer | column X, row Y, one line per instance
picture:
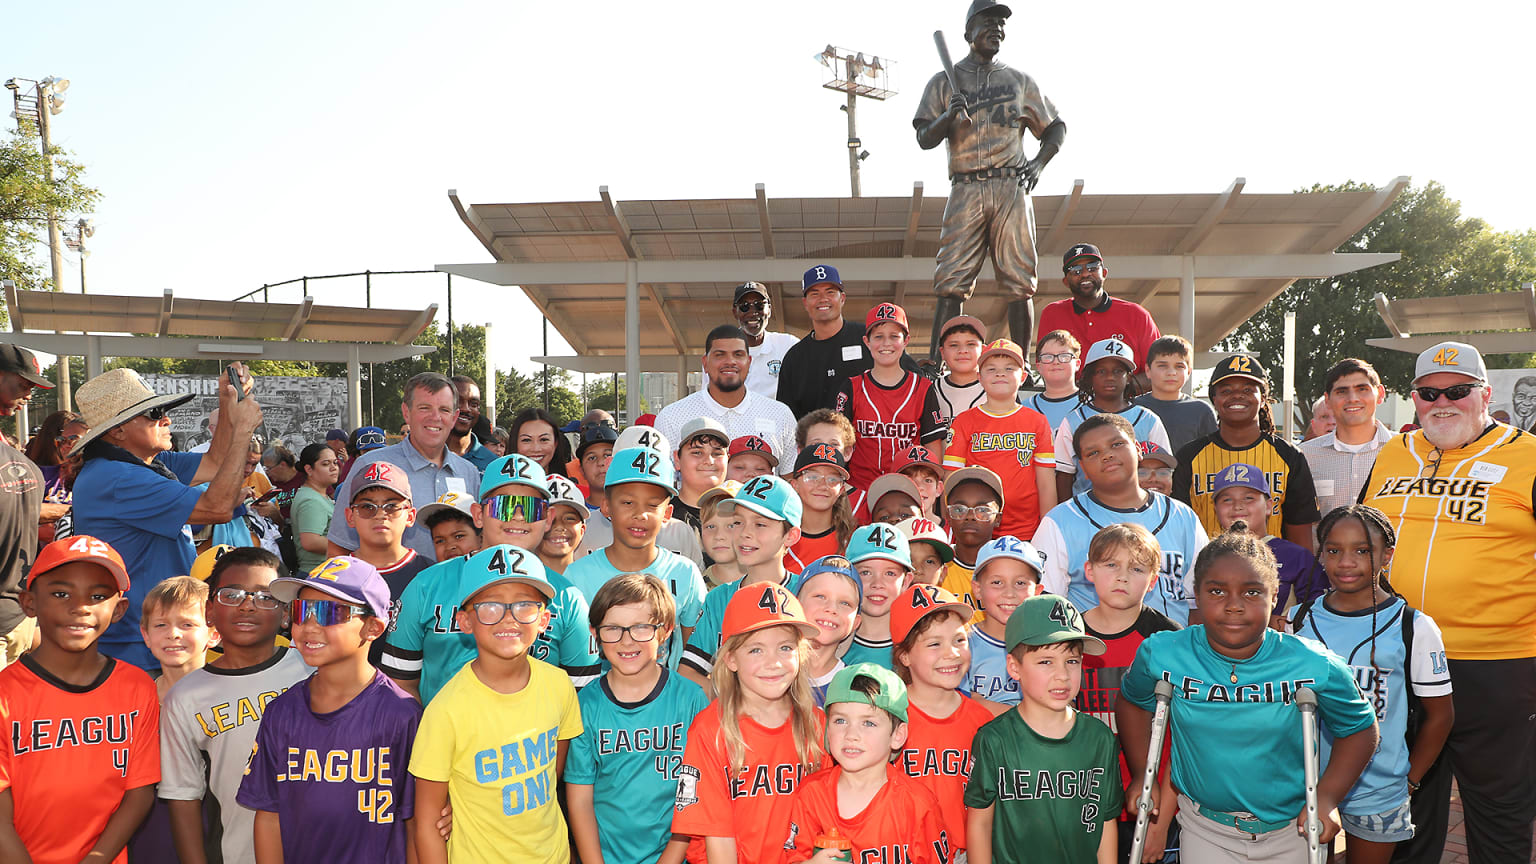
column 1339, row 471
column 1293, row 499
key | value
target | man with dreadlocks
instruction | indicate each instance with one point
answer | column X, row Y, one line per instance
column 1398, row 659
column 1459, row 492
column 1245, row 432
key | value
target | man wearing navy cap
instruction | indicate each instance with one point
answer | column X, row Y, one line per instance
column 1091, row 314
column 831, row 353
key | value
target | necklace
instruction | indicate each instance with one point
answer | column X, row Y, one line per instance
column 1234, row 671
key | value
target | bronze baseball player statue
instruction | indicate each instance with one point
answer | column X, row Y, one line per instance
column 989, row 209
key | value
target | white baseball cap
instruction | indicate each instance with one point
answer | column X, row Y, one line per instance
column 1458, row 357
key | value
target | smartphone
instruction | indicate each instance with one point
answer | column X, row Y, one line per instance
column 235, row 381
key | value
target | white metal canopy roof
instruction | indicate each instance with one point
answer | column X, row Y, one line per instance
column 1501, row 323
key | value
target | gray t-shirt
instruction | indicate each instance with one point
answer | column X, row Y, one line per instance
column 208, row 725
column 1185, row 419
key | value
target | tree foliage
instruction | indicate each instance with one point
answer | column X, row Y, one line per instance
column 1443, row 254
column 26, row 199
column 516, row 391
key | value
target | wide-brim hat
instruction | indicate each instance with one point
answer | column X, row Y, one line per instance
column 116, row 396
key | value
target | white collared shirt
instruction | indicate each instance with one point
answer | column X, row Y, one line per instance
column 757, row 415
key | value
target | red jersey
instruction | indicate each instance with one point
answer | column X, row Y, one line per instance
column 900, row 825
column 751, row 805
column 1102, row 674
column 938, row 755
column 69, row 754
column 1111, row 319
column 1012, row 446
column 810, row 547
column 888, row 420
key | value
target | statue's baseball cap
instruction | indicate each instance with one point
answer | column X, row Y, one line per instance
column 886, row 312
column 381, row 475
column 1239, row 366
column 502, row 563
column 82, row 548
column 768, row 495
column 753, row 444
column 980, row 6
column 1458, row 357
column 761, row 605
column 1081, row 250
column 641, row 465
column 14, row 358
column 510, row 469
column 746, row 289
column 879, row 541
column 348, row 579
column 1046, row 619
column 821, row 274
column 890, row 696
column 1242, row 475
column 920, row 601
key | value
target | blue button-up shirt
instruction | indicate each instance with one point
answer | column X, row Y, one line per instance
column 429, row 482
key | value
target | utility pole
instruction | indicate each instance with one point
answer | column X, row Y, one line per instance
column 845, row 69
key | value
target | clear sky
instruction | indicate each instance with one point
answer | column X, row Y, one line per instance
column 238, row 144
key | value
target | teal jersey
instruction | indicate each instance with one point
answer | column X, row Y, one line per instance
column 1237, row 747
column 425, row 642
column 704, row 644
column 680, row 575
column 629, row 753
column 862, row 650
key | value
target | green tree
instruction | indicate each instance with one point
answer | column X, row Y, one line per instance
column 1442, row 254
column 26, row 199
column 516, row 391
column 600, row 394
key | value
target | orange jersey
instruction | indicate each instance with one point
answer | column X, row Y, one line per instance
column 1012, row 446
column 751, row 805
column 938, row 755
column 69, row 754
column 900, row 825
column 810, row 547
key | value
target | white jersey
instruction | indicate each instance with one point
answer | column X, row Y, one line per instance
column 208, row 725
column 762, row 416
column 767, row 358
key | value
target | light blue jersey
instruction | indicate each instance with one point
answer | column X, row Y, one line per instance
column 680, row 575
column 704, row 644
column 1237, row 747
column 1148, row 427
column 1065, row 532
column 1384, row 783
column 629, row 753
column 1055, row 410
column 989, row 677
column 425, row 641
column 862, row 650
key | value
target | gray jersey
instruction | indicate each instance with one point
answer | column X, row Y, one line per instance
column 208, row 725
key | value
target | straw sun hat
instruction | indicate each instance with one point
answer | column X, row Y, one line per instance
column 113, row 398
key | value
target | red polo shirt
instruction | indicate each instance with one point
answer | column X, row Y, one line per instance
column 1112, row 319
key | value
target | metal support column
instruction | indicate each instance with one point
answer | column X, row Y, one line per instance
column 682, row 377
column 354, row 389
column 1187, row 308
column 631, row 341
column 92, row 356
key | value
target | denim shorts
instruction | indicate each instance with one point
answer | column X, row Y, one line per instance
column 1393, row 826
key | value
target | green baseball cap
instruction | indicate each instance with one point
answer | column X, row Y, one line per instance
column 1046, row 619
column 892, row 696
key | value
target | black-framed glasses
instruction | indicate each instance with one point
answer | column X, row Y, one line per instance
column 368, row 509
column 752, row 306
column 1079, row 269
column 1455, row 392
column 326, row 613
column 611, row 633
column 236, row 597
column 1432, row 464
column 156, row 414
column 1049, row 359
column 492, row 612
column 981, row 513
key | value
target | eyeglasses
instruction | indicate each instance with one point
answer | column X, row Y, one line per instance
column 1090, row 267
column 1049, row 359
column 326, row 613
column 1455, row 392
column 493, row 611
column 752, row 306
column 981, row 513
column 1159, row 473
column 369, row 439
column 1432, row 464
column 155, row 415
column 814, row 480
column 236, row 597
column 67, row 439
column 368, row 509
column 506, row 508
column 611, row 633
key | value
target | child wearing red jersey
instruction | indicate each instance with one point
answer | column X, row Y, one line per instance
column 748, row 750
column 1012, row 440
column 884, row 814
column 891, row 409
column 81, row 754
column 1122, row 564
column 932, row 653
column 820, row 479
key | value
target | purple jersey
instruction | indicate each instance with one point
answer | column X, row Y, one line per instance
column 1300, row 575
column 337, row 781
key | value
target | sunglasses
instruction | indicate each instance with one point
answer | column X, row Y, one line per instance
column 370, row 439
column 1090, row 267
column 326, row 613
column 155, row 415
column 236, row 597
column 752, row 306
column 491, row 612
column 507, row 508
column 1455, row 392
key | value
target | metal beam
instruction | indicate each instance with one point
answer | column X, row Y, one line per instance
column 410, row 331
column 485, row 239
column 1142, row 290
column 607, row 364
column 1054, row 237
column 1384, row 309
column 295, row 323
column 1362, row 216
column 1529, row 290
column 1260, row 298
column 18, row 321
column 617, row 223
column 167, row 305
column 76, row 344
column 567, row 329
column 1503, row 342
column 1211, row 218
column 674, row 330
column 764, row 224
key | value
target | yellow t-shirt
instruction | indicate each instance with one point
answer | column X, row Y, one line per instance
column 957, row 581
column 496, row 752
column 1466, row 537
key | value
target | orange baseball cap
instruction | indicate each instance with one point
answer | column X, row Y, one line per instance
column 764, row 604
column 920, row 601
column 81, row 548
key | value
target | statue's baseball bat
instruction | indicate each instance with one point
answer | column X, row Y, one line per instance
column 949, row 66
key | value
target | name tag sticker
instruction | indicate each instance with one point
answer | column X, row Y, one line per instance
column 852, row 352
column 1487, row 472
column 765, row 429
column 456, row 484
column 1324, row 488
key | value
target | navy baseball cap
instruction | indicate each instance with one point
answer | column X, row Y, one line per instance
column 596, row 435
column 832, row 564
column 1080, row 250
column 821, row 274
column 370, row 438
column 1239, row 366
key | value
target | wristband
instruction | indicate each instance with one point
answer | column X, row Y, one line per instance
column 1412, row 786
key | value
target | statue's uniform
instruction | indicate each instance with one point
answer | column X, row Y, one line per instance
column 987, row 208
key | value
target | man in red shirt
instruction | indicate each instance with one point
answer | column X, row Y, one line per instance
column 1091, row 314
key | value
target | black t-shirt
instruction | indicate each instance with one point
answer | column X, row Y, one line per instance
column 813, row 369
column 690, row 514
column 21, row 503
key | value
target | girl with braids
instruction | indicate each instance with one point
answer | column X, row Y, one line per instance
column 1106, row 386
column 1397, row 656
column 1245, row 432
column 1237, row 749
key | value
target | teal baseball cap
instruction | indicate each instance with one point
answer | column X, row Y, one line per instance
column 1008, row 546
column 496, row 564
column 891, row 695
column 513, row 468
column 769, row 495
column 641, row 465
column 879, row 541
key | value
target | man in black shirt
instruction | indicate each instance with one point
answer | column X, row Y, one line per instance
column 21, row 502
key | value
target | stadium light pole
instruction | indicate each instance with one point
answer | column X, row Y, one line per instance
column 848, row 72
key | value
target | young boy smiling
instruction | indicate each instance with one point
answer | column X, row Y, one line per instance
column 880, row 555
column 891, row 408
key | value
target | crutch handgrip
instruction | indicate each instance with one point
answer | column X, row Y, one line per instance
column 1306, row 701
column 1163, row 693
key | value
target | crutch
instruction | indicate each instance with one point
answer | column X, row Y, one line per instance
column 1306, row 700
column 1163, row 692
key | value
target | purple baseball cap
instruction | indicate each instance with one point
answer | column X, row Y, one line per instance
column 349, row 579
column 1240, row 474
